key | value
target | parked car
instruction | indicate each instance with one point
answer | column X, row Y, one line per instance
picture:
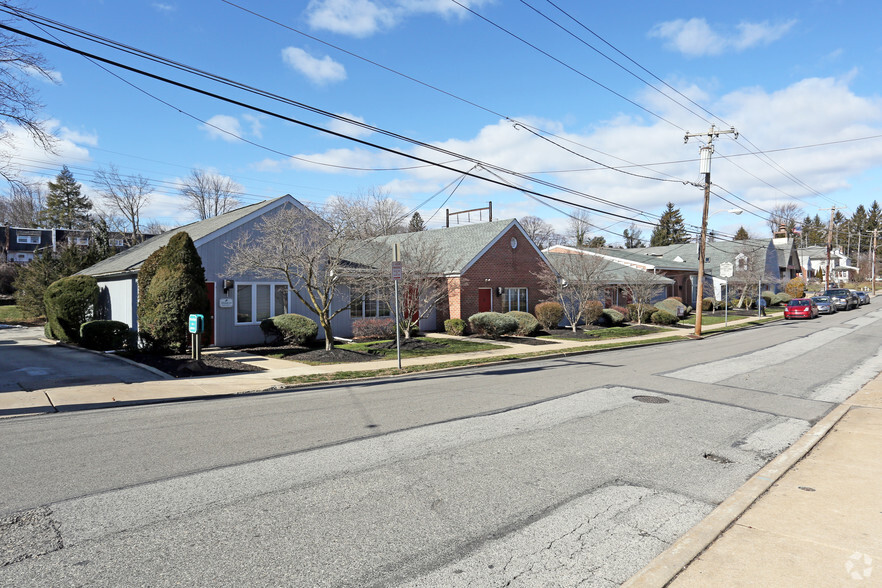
column 825, row 304
column 842, row 298
column 801, row 308
column 863, row 297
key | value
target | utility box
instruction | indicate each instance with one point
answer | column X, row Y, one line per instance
column 196, row 323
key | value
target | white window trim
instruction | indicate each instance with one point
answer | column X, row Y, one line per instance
column 254, row 285
column 27, row 239
column 507, row 295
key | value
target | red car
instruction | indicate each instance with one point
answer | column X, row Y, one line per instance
column 801, row 308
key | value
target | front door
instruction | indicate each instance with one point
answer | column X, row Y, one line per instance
column 485, row 299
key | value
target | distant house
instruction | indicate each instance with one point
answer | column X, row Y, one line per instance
column 679, row 263
column 811, row 259
column 490, row 266
column 21, row 245
column 238, row 305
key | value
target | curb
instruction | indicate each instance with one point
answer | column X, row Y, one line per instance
column 662, row 570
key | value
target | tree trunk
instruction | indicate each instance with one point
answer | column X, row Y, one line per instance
column 329, row 333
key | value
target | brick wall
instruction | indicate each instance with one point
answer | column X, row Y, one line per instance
column 500, row 266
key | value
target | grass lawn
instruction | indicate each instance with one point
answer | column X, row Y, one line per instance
column 12, row 315
column 608, row 333
column 446, row 347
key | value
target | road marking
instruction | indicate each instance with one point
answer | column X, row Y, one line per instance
column 717, row 371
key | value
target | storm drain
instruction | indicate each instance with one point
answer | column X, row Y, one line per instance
column 651, row 399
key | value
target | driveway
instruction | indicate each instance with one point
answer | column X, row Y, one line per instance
column 30, row 366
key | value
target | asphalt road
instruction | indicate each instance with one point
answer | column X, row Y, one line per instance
column 540, row 473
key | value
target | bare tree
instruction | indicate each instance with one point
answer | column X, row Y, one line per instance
column 154, row 227
column 298, row 247
column 541, row 232
column 787, row 214
column 633, row 237
column 208, row 194
column 19, row 105
column 422, row 287
column 23, row 205
column 750, row 273
column 367, row 214
column 579, row 228
column 124, row 196
column 578, row 280
column 642, row 287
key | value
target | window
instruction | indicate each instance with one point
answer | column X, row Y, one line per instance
column 117, row 242
column 514, row 299
column 28, row 239
column 366, row 306
column 256, row 302
column 82, row 240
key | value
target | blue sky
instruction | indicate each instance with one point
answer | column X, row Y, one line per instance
column 788, row 75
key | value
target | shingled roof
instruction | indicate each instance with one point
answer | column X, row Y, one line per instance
column 129, row 261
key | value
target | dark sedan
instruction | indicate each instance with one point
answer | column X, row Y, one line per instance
column 863, row 297
column 842, row 298
column 801, row 308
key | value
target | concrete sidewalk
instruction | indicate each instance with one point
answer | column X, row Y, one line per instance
column 165, row 388
column 811, row 517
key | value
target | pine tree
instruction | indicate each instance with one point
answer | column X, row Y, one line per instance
column 671, row 229
column 66, row 207
column 416, row 223
column 741, row 234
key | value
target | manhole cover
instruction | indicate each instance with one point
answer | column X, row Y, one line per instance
column 651, row 399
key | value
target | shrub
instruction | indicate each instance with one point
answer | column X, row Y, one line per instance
column 781, row 298
column 708, row 304
column 69, row 303
column 373, row 328
column 612, row 318
column 8, row 273
column 620, row 309
column 636, row 310
column 795, row 288
column 768, row 296
column 673, row 306
column 591, row 311
column 527, row 323
column 291, row 329
column 549, row 314
column 105, row 335
column 455, row 327
column 493, row 324
column 663, row 317
column 677, row 298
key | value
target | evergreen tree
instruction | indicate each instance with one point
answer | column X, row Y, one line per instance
column 171, row 286
column 596, row 242
column 416, row 223
column 671, row 229
column 741, row 234
column 874, row 216
column 66, row 207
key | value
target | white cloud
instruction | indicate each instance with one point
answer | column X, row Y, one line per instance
column 363, row 18
column 320, row 70
column 222, row 126
column 47, row 75
column 162, row 7
column 346, row 128
column 696, row 38
column 256, row 124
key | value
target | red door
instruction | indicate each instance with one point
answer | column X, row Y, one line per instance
column 485, row 299
column 208, row 337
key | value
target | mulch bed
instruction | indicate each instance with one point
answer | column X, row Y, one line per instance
column 184, row 366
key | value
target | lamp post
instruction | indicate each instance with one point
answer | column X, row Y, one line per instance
column 699, row 295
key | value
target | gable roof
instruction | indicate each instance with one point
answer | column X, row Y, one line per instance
column 129, row 261
column 458, row 247
column 613, row 274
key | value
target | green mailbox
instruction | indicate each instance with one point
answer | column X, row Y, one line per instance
column 197, row 323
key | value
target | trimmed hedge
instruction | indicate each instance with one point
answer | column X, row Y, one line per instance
column 106, row 335
column 648, row 311
column 663, row 317
column 376, row 328
column 527, row 323
column 549, row 314
column 592, row 311
column 493, row 324
column 673, row 306
column 69, row 302
column 290, row 329
column 455, row 327
column 612, row 318
column 708, row 304
column 795, row 288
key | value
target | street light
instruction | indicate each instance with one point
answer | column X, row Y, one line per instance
column 699, row 295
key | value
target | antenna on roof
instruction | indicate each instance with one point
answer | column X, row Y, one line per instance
column 488, row 208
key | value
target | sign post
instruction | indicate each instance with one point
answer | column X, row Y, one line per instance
column 726, row 271
column 396, row 277
column 196, row 325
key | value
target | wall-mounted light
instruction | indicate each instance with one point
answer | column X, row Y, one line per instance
column 499, row 290
column 228, row 284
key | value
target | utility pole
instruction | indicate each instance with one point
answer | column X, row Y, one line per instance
column 874, row 261
column 705, row 152
column 829, row 247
